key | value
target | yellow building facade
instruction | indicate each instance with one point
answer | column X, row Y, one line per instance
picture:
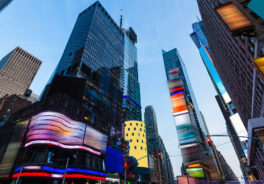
column 135, row 133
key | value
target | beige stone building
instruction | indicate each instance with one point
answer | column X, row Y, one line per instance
column 17, row 71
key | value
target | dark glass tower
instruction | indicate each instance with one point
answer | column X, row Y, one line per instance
column 95, row 52
column 131, row 93
column 191, row 128
column 234, row 124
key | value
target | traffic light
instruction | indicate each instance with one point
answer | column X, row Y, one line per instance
column 209, row 141
column 125, row 165
column 159, row 154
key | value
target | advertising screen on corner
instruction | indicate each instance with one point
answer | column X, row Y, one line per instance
column 56, row 127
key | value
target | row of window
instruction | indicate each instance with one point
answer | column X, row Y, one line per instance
column 136, row 124
column 135, row 147
column 136, row 129
column 137, row 140
column 134, row 134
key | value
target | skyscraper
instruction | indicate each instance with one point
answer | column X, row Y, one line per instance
column 17, row 70
column 233, row 52
column 190, row 127
column 160, row 166
column 95, row 52
column 131, row 93
column 234, row 124
column 233, row 57
column 4, row 3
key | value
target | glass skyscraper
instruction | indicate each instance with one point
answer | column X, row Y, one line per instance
column 191, row 128
column 235, row 126
column 131, row 93
column 95, row 52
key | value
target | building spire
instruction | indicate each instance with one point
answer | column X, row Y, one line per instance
column 121, row 18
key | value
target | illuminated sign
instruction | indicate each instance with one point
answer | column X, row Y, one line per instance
column 196, row 172
column 178, row 103
column 185, row 180
column 57, row 129
column 259, row 64
column 257, row 7
column 239, row 127
column 233, row 17
column 12, row 149
column 175, row 83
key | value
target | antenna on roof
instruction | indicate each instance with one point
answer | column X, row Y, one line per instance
column 198, row 18
column 121, row 18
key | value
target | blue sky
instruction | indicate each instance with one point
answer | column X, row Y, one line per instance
column 43, row 27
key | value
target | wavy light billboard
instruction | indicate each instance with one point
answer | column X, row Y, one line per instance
column 57, row 129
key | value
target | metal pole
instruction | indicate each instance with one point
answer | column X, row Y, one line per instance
column 125, row 175
column 19, row 175
column 67, row 163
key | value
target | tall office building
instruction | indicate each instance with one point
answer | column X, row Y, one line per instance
column 160, row 166
column 131, row 93
column 233, row 57
column 95, row 52
column 190, row 126
column 17, row 70
column 235, row 126
column 233, row 48
column 4, row 3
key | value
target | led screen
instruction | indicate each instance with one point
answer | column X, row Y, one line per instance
column 175, row 83
column 233, row 17
column 95, row 139
column 186, row 134
column 178, row 103
column 239, row 127
column 196, row 172
column 58, row 129
column 114, row 160
column 190, row 152
column 185, row 180
column 12, row 149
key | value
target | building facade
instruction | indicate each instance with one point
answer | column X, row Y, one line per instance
column 95, row 52
column 131, row 93
column 17, row 70
column 233, row 49
column 235, row 126
column 190, row 127
column 159, row 160
column 135, row 133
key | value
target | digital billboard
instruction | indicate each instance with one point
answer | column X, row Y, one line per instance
column 196, row 172
column 57, row 129
column 12, row 149
column 178, row 103
column 186, row 134
column 175, row 83
column 233, row 17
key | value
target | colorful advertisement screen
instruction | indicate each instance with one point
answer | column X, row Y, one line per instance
column 58, row 129
column 175, row 83
column 178, row 103
column 12, row 149
column 196, row 172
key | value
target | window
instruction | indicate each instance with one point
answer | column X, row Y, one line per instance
column 130, row 124
column 142, row 141
column 128, row 129
column 124, row 124
column 137, row 124
column 135, row 147
column 141, row 148
column 140, row 129
column 143, row 135
column 126, row 134
column 135, row 129
column 130, row 140
column 141, row 125
column 138, row 134
column 132, row 134
column 137, row 140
